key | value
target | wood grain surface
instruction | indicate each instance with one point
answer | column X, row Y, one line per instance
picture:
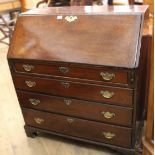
column 104, row 38
column 79, row 127
column 74, row 71
column 72, row 107
column 90, row 92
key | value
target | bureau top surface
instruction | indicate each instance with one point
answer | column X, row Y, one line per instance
column 128, row 9
column 97, row 35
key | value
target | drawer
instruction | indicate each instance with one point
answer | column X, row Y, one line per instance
column 78, row 108
column 113, row 95
column 81, row 128
column 102, row 74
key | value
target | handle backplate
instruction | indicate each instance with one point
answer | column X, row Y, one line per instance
column 34, row 101
column 30, row 83
column 39, row 120
column 108, row 115
column 108, row 135
column 107, row 94
column 107, row 76
column 28, row 68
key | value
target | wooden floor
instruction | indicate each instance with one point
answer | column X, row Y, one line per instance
column 13, row 140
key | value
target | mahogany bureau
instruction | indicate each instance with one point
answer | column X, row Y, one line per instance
column 76, row 73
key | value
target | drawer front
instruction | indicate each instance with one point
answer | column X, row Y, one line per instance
column 101, row 74
column 113, row 95
column 95, row 131
column 78, row 108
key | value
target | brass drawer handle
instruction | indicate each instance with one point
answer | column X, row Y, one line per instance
column 108, row 115
column 107, row 94
column 30, row 83
column 67, row 101
column 108, row 135
column 71, row 18
column 107, row 76
column 64, row 70
column 28, row 68
column 70, row 120
column 39, row 120
column 65, row 84
column 34, row 101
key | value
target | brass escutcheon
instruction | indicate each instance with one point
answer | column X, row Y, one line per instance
column 67, row 101
column 108, row 115
column 71, row 18
column 34, row 101
column 70, row 120
column 64, row 70
column 108, row 135
column 28, row 68
column 107, row 94
column 39, row 120
column 30, row 83
column 65, row 84
column 107, row 76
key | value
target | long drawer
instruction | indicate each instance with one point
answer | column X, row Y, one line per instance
column 113, row 95
column 78, row 108
column 102, row 74
column 81, row 128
